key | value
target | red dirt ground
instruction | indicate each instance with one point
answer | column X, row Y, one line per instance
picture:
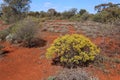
column 30, row 63
column 25, row 64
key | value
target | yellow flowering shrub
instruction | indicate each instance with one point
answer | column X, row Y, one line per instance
column 72, row 49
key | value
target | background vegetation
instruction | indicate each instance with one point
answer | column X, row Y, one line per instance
column 14, row 10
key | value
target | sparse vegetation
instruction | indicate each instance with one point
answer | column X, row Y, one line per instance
column 73, row 74
column 25, row 31
column 3, row 34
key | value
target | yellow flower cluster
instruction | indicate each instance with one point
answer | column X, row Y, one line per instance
column 72, row 49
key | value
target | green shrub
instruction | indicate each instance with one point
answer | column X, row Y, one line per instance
column 4, row 33
column 109, row 15
column 29, row 21
column 51, row 78
column 103, row 17
column 85, row 16
column 25, row 30
column 75, row 17
column 72, row 49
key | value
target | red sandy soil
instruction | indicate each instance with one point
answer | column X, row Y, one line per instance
column 25, row 64
column 30, row 63
column 111, row 75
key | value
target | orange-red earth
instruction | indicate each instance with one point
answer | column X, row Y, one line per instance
column 30, row 63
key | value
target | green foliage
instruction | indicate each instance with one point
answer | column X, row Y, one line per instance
column 51, row 78
column 107, row 13
column 25, row 30
column 9, row 15
column 4, row 33
column 75, row 17
column 102, row 7
column 85, row 16
column 70, row 13
column 73, row 49
column 18, row 5
column 51, row 12
column 28, row 21
column 43, row 14
column 101, row 17
column 33, row 14
column 82, row 11
column 14, row 10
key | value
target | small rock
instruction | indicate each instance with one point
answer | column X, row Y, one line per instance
column 51, row 29
column 113, row 66
column 106, row 71
column 9, row 38
column 76, row 27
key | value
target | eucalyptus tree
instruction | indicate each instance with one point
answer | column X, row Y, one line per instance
column 14, row 10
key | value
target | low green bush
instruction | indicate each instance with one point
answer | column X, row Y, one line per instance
column 25, row 31
column 85, row 16
column 3, row 34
